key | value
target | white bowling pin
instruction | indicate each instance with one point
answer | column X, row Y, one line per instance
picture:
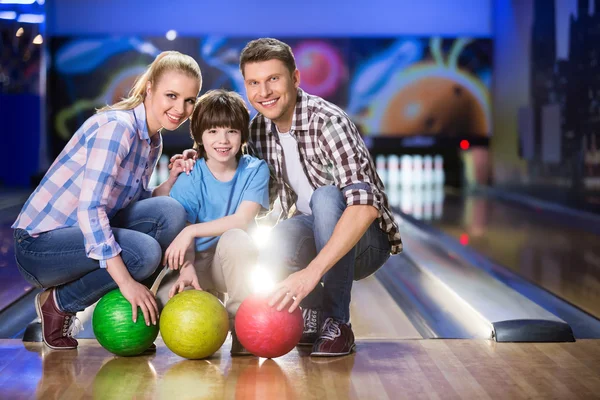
column 427, row 170
column 163, row 168
column 417, row 175
column 392, row 170
column 381, row 171
column 438, row 201
column 406, row 168
column 438, row 170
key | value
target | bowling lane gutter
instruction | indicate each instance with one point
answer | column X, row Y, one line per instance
column 516, row 309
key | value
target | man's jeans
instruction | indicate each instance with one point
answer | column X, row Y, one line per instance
column 296, row 241
column 58, row 259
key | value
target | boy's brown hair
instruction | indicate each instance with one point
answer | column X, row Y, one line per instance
column 219, row 109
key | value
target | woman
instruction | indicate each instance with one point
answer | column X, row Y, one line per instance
column 93, row 224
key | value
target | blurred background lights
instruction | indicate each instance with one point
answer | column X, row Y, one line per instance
column 171, row 35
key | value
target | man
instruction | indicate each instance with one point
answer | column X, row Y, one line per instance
column 339, row 228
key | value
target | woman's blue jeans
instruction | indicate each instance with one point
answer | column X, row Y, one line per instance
column 296, row 241
column 58, row 259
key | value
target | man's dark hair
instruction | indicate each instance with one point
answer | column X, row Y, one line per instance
column 266, row 49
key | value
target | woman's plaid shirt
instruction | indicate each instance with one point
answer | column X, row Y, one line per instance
column 331, row 152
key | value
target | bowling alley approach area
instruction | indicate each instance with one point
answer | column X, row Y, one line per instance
column 276, row 150
column 441, row 320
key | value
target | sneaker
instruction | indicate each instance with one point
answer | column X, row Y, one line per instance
column 237, row 349
column 58, row 327
column 311, row 327
column 336, row 339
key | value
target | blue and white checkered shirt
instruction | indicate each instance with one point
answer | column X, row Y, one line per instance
column 105, row 166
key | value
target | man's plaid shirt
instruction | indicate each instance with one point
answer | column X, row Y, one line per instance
column 331, row 152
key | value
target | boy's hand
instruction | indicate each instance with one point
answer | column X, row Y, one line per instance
column 175, row 253
column 189, row 154
column 187, row 277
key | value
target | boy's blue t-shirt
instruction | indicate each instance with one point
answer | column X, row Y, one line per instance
column 205, row 198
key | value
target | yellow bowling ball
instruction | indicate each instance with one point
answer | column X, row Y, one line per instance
column 194, row 324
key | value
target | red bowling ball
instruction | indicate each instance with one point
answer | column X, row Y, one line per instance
column 264, row 331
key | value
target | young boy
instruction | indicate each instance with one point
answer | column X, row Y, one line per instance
column 222, row 195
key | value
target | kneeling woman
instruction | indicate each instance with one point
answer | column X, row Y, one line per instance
column 93, row 224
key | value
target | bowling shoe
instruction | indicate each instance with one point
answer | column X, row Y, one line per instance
column 237, row 349
column 336, row 339
column 58, row 327
column 312, row 319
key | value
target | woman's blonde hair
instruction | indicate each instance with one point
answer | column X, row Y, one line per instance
column 164, row 62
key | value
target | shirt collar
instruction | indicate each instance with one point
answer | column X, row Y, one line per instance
column 301, row 116
column 301, row 112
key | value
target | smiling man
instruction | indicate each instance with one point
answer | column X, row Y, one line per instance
column 336, row 226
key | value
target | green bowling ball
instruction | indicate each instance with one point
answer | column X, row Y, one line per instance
column 194, row 324
column 114, row 329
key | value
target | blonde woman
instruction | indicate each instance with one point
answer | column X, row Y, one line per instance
column 93, row 224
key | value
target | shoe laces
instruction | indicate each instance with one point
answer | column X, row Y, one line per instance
column 331, row 329
column 72, row 326
column 310, row 320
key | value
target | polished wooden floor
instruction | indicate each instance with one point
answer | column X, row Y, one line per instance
column 381, row 369
column 392, row 362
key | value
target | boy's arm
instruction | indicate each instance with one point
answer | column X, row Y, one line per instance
column 187, row 274
column 175, row 255
column 242, row 219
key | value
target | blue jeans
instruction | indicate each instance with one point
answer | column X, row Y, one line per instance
column 58, row 259
column 296, row 241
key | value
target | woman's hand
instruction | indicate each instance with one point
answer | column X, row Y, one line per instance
column 187, row 277
column 140, row 296
column 180, row 165
column 188, row 155
column 175, row 253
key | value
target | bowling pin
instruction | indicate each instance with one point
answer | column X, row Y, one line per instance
column 163, row 168
column 427, row 170
column 393, row 192
column 380, row 165
column 392, row 170
column 427, row 189
column 153, row 179
column 438, row 170
column 417, row 175
column 418, row 201
column 406, row 168
column 438, row 201
column 406, row 202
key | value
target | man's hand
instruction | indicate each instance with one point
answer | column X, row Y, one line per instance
column 295, row 287
column 140, row 296
column 175, row 253
column 189, row 154
column 187, row 277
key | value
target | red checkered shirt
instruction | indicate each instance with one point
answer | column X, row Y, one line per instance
column 331, row 152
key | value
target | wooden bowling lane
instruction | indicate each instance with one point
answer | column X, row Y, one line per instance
column 375, row 315
column 385, row 369
column 555, row 253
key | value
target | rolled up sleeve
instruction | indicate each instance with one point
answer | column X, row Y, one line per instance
column 350, row 162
